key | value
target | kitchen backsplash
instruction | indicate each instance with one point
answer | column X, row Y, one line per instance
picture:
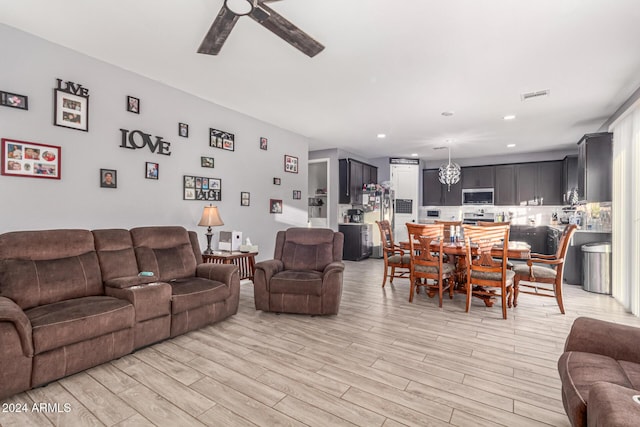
column 540, row 215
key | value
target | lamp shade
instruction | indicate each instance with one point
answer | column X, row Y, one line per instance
column 210, row 217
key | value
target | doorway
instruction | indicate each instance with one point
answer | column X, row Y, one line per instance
column 318, row 190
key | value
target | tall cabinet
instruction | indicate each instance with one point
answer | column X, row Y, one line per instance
column 353, row 174
column 595, row 167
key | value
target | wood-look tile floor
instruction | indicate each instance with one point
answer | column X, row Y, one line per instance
column 381, row 362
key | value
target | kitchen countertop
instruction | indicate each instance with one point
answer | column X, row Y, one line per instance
column 581, row 230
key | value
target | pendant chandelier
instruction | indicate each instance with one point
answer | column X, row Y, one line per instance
column 449, row 173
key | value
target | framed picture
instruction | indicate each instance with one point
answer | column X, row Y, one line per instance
column 245, row 197
column 14, row 100
column 133, row 104
column 297, row 194
column 202, row 188
column 290, row 164
column 28, row 159
column 151, row 170
column 276, row 181
column 275, row 206
column 108, row 178
column 71, row 110
column 183, row 130
column 221, row 139
column 206, row 162
column 263, row 143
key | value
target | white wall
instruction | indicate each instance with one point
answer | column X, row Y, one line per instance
column 31, row 67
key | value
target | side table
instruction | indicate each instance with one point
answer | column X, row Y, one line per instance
column 246, row 261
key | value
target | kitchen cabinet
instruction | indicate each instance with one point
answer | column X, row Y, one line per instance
column 595, row 167
column 539, row 183
column 358, row 241
column 353, row 175
column 569, row 177
column 505, row 185
column 477, row 177
column 536, row 237
column 434, row 193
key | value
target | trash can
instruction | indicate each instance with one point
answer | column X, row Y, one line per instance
column 596, row 267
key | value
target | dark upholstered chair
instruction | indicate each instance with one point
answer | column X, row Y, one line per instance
column 305, row 275
column 600, row 374
column 397, row 261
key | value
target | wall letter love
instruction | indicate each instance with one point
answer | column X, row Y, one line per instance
column 136, row 139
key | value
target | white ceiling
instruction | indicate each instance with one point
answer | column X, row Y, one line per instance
column 388, row 67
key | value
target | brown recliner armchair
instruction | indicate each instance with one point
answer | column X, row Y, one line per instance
column 305, row 276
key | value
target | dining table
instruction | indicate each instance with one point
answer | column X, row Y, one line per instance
column 458, row 251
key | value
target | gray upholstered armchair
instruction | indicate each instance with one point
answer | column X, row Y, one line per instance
column 305, row 275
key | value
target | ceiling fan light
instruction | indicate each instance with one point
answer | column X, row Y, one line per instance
column 240, row 7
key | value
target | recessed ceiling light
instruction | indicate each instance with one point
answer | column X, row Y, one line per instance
column 511, row 145
column 414, row 154
column 447, row 113
column 509, row 117
column 382, row 135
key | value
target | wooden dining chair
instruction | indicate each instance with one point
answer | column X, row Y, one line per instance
column 428, row 268
column 543, row 274
column 397, row 261
column 510, row 264
column 487, row 274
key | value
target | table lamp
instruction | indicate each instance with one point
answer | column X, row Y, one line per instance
column 210, row 217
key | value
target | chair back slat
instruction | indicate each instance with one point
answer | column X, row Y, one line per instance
column 565, row 238
column 420, row 238
column 486, row 239
column 386, row 236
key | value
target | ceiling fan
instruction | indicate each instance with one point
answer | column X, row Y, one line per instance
column 263, row 15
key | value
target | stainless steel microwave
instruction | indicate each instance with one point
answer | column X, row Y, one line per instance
column 477, row 196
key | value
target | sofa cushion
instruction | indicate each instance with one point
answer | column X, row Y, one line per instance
column 194, row 292
column 578, row 372
column 612, row 405
column 167, row 263
column 75, row 320
column 115, row 253
column 632, row 371
column 297, row 282
column 31, row 283
column 297, row 256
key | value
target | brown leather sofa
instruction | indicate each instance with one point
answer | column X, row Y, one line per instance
column 73, row 299
column 600, row 373
column 305, row 276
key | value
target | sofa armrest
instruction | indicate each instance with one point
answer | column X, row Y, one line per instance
column 336, row 266
column 620, row 342
column 127, row 282
column 11, row 312
column 219, row 272
column 269, row 268
column 612, row 405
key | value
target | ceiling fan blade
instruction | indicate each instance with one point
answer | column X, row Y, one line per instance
column 218, row 33
column 284, row 29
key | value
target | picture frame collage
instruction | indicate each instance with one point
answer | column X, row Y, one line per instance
column 221, row 139
column 202, row 188
column 29, row 159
